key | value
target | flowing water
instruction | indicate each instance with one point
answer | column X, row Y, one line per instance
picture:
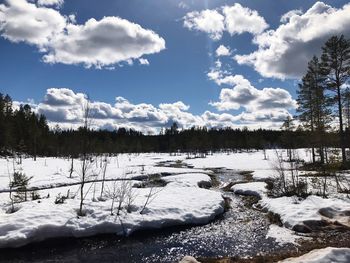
column 241, row 231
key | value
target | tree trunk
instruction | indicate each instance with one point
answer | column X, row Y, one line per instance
column 341, row 131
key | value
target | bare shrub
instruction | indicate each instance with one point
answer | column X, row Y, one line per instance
column 153, row 191
column 121, row 193
column 288, row 181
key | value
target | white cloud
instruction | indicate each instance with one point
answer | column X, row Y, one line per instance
column 253, row 100
column 222, row 51
column 50, row 2
column 285, row 51
column 239, row 19
column 143, row 61
column 208, row 21
column 285, row 17
column 234, row 19
column 65, row 108
column 222, row 77
column 98, row 43
column 21, row 21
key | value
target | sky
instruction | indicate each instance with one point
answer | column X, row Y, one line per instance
column 147, row 64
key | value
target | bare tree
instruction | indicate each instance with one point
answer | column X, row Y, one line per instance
column 281, row 170
column 85, row 160
column 104, row 169
column 71, row 167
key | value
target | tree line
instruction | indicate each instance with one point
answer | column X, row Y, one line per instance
column 24, row 131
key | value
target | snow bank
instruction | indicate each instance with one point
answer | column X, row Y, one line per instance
column 255, row 188
column 325, row 255
column 188, row 180
column 304, row 214
column 172, row 205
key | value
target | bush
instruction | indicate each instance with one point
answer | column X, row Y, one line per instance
column 19, row 183
column 60, row 199
column 35, row 195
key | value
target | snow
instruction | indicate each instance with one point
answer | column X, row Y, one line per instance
column 325, row 255
column 257, row 189
column 187, row 180
column 295, row 212
column 181, row 201
column 188, row 259
column 48, row 172
column 282, row 235
column 172, row 205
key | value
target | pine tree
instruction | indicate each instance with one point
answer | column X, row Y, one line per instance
column 336, row 69
column 305, row 108
column 314, row 105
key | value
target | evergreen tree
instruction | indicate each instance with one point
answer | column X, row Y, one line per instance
column 336, row 69
column 314, row 106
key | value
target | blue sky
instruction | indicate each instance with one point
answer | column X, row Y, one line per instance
column 180, row 50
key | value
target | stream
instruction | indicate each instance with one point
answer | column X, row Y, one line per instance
column 241, row 231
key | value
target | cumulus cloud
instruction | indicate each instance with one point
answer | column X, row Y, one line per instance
column 208, row 21
column 234, row 19
column 222, row 51
column 224, row 78
column 98, row 43
column 239, row 19
column 50, row 2
column 268, row 104
column 104, row 42
column 65, row 108
column 21, row 21
column 285, row 17
column 285, row 51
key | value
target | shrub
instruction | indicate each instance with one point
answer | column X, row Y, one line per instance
column 60, row 199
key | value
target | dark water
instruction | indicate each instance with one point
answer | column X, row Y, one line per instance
column 240, row 231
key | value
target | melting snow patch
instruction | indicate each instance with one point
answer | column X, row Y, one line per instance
column 256, row 189
column 325, row 255
column 304, row 214
column 282, row 235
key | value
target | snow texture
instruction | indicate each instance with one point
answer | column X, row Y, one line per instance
column 180, row 202
column 325, row 255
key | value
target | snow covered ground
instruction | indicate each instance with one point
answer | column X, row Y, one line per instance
column 179, row 202
column 325, row 255
column 172, row 205
column 300, row 214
